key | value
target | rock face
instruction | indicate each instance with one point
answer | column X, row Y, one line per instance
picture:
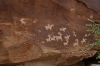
column 46, row 32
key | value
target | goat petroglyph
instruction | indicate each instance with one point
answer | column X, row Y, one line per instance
column 76, row 42
column 49, row 38
column 63, row 29
column 49, row 27
column 89, row 34
column 23, row 21
column 54, row 38
column 67, row 39
column 83, row 40
column 74, row 34
column 59, row 37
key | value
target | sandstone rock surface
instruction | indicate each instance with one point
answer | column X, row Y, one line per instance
column 47, row 32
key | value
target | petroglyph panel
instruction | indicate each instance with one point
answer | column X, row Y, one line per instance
column 61, row 35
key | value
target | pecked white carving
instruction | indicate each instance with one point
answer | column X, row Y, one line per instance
column 49, row 27
column 63, row 29
column 76, row 42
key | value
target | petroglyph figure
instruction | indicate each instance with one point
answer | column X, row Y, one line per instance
column 23, row 21
column 86, row 35
column 53, row 38
column 67, row 39
column 83, row 40
column 76, row 42
column 49, row 27
column 59, row 37
column 72, row 9
column 63, row 29
column 74, row 34
column 49, row 38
